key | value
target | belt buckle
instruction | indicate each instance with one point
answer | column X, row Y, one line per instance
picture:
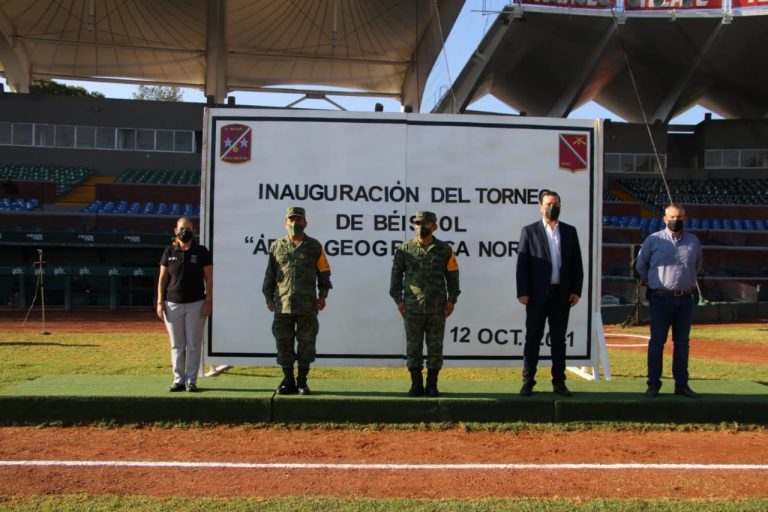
column 679, row 293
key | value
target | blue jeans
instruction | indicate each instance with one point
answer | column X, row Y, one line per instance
column 676, row 312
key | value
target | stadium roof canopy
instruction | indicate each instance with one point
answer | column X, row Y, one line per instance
column 381, row 47
column 549, row 57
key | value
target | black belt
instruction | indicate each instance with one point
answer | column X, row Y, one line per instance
column 673, row 293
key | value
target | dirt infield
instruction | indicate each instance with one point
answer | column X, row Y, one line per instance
column 269, row 445
column 244, row 444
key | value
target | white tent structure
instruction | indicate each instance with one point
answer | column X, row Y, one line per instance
column 378, row 47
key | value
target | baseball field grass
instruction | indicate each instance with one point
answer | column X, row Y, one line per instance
column 28, row 355
column 324, row 504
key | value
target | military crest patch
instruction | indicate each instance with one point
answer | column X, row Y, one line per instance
column 574, row 155
column 235, row 146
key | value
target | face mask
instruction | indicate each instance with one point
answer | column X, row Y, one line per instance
column 295, row 229
column 675, row 225
column 422, row 231
column 552, row 212
column 185, row 235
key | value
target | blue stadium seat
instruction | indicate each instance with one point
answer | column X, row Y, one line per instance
column 716, row 224
column 749, row 225
column 738, row 225
column 705, row 224
column 727, row 225
column 760, row 225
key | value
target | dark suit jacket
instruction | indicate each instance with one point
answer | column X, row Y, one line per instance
column 534, row 264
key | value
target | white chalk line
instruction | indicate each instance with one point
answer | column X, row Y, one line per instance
column 389, row 467
column 626, row 336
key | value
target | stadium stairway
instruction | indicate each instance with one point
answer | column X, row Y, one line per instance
column 236, row 399
column 84, row 193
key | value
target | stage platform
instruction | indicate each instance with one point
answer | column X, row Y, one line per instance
column 238, row 399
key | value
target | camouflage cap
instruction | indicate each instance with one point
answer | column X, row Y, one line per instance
column 424, row 216
column 294, row 211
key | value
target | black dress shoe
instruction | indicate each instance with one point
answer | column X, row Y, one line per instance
column 192, row 387
column 287, row 388
column 176, row 386
column 527, row 389
column 652, row 392
column 687, row 392
column 561, row 389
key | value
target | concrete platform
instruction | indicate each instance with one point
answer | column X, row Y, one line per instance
column 236, row 399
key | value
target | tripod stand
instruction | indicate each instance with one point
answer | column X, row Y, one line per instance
column 41, row 285
column 634, row 316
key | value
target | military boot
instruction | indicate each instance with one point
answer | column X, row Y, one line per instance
column 431, row 388
column 417, row 383
column 288, row 384
column 301, row 381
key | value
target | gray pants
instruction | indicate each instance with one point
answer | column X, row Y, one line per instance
column 185, row 323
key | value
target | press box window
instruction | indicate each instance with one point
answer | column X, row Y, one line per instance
column 164, row 141
column 145, row 140
column 85, row 137
column 105, row 138
column 182, row 142
column 22, row 134
column 126, row 138
column 45, row 135
column 65, row 136
column 5, row 133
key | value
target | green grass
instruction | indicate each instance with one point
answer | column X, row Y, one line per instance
column 82, row 502
column 29, row 356
column 753, row 333
column 632, row 363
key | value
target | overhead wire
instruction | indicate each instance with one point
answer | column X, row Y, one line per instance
column 636, row 90
column 445, row 56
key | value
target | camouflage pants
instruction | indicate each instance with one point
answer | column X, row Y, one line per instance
column 421, row 328
column 303, row 329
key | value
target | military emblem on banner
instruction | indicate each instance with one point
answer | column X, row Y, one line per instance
column 573, row 152
column 235, row 145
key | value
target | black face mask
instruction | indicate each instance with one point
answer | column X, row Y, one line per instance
column 675, row 225
column 422, row 231
column 552, row 212
column 185, row 235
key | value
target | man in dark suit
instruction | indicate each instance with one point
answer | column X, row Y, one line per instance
column 549, row 280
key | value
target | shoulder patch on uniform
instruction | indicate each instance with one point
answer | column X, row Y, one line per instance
column 322, row 263
column 452, row 265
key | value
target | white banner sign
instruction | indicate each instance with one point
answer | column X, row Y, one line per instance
column 361, row 177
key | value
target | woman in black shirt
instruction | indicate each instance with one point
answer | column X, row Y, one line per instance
column 184, row 301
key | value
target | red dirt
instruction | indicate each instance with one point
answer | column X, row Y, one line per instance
column 270, row 445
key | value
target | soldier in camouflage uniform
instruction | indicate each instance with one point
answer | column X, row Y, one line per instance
column 296, row 284
column 425, row 286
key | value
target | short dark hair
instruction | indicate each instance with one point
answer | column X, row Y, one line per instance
column 546, row 192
